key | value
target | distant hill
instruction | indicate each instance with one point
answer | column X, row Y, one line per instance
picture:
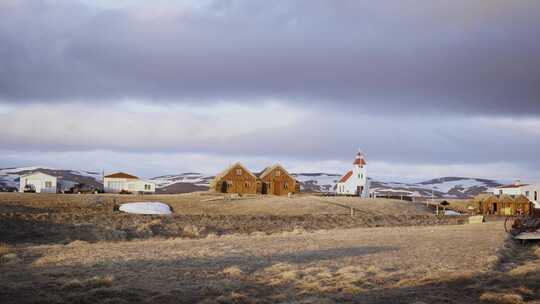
column 450, row 187
column 182, row 183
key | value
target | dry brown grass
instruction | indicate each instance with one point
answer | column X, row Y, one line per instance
column 5, row 249
column 463, row 205
column 91, row 283
column 354, row 265
column 63, row 218
column 502, row 298
column 233, row 271
column 432, row 264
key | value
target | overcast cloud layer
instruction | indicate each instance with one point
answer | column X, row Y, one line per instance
column 447, row 87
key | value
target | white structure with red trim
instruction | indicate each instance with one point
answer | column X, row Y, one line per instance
column 123, row 182
column 531, row 192
column 355, row 181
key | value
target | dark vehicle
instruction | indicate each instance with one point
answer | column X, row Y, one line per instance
column 8, row 189
column 85, row 189
column 29, row 189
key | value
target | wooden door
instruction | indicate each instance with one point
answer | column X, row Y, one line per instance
column 224, row 187
column 277, row 188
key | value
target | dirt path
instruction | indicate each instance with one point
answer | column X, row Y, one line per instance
column 337, row 265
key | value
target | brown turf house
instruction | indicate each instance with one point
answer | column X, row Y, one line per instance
column 504, row 205
column 272, row 180
column 276, row 180
column 236, row 179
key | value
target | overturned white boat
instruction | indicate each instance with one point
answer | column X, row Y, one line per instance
column 145, row 208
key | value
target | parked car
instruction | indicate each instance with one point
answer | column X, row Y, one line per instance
column 85, row 189
column 29, row 189
column 8, row 189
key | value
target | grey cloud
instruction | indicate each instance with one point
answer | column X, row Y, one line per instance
column 455, row 56
column 314, row 135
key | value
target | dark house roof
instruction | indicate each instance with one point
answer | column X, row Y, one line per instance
column 121, row 175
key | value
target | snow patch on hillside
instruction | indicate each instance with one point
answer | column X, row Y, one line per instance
column 192, row 178
column 449, row 185
column 321, row 179
column 95, row 175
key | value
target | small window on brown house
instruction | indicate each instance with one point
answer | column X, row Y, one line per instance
column 278, row 173
column 286, row 185
column 238, row 172
column 246, row 184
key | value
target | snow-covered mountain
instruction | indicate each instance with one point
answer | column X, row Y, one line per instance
column 448, row 187
column 456, row 187
column 317, row 182
column 182, row 183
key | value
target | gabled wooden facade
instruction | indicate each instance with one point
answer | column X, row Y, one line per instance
column 505, row 205
column 236, row 179
column 277, row 181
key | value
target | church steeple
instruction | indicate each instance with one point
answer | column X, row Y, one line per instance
column 359, row 160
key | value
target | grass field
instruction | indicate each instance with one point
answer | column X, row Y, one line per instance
column 60, row 218
column 254, row 249
column 435, row 264
column 209, row 204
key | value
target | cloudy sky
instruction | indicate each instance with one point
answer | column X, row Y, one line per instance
column 425, row 88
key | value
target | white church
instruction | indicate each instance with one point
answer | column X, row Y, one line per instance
column 355, row 182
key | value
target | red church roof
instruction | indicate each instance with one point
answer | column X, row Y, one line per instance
column 345, row 177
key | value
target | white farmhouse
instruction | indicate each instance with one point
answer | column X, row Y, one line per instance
column 355, row 181
column 531, row 192
column 38, row 182
column 120, row 181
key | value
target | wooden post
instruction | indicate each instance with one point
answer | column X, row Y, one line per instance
column 352, row 212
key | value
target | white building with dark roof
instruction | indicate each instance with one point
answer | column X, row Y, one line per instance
column 530, row 191
column 355, row 182
column 123, row 182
